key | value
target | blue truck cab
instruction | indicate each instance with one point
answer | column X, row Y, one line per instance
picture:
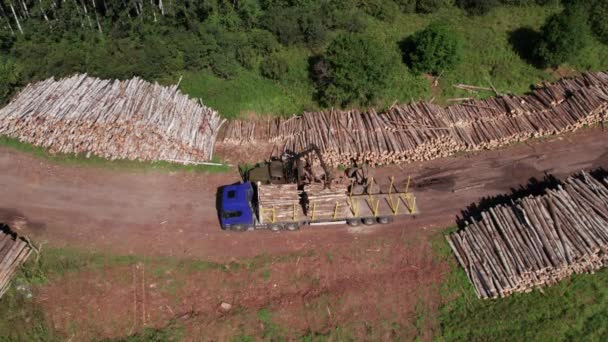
column 236, row 206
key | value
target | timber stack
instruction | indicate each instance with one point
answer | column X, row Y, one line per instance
column 14, row 251
column 536, row 241
column 423, row 131
column 327, row 203
column 131, row 119
column 279, row 202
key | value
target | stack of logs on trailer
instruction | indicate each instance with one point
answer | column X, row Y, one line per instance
column 14, row 251
column 538, row 240
column 131, row 119
column 423, row 131
column 283, row 202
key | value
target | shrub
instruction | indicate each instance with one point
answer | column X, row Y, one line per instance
column 599, row 22
column 406, row 6
column 477, row 7
column 246, row 56
column 435, row 49
column 223, row 66
column 313, row 31
column 384, row 10
column 283, row 22
column 354, row 69
column 249, row 12
column 294, row 25
column 9, row 76
column 274, row 67
column 562, row 36
column 6, row 41
column 342, row 14
column 264, row 42
column 429, row 6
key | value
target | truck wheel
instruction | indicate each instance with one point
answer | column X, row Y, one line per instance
column 239, row 228
column 384, row 220
column 275, row 227
column 368, row 221
column 353, row 222
column 292, row 226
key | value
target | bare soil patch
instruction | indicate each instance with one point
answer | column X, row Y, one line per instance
column 370, row 289
column 174, row 214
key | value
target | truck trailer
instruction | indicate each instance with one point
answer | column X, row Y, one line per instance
column 254, row 205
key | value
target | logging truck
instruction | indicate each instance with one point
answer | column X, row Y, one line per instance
column 287, row 193
column 248, row 206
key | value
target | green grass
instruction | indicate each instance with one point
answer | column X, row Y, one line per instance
column 249, row 92
column 272, row 331
column 488, row 57
column 21, row 319
column 94, row 161
column 576, row 309
column 171, row 333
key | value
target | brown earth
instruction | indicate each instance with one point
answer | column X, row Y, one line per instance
column 373, row 280
column 174, row 214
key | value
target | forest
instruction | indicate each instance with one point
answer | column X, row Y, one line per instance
column 286, row 56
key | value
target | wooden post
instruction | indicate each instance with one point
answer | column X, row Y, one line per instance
column 314, row 206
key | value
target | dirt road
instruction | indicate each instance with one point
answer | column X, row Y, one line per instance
column 174, row 213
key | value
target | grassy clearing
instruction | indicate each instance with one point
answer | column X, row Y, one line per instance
column 489, row 56
column 21, row 319
column 575, row 309
column 94, row 161
column 172, row 333
column 249, row 92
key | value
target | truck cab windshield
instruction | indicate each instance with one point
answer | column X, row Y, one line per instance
column 231, row 214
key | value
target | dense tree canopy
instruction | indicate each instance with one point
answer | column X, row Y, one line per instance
column 9, row 75
column 599, row 20
column 563, row 35
column 158, row 39
column 354, row 69
column 433, row 50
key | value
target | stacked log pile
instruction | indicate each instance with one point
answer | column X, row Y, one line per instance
column 14, row 251
column 327, row 203
column 538, row 240
column 131, row 119
column 278, row 202
column 423, row 131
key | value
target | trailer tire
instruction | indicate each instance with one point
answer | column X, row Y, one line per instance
column 368, row 221
column 292, row 227
column 353, row 222
column 275, row 227
column 384, row 220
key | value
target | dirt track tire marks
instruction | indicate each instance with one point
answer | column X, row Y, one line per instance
column 173, row 214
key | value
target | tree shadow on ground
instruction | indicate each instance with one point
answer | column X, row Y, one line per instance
column 524, row 41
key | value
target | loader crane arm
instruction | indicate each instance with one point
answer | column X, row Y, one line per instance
column 300, row 166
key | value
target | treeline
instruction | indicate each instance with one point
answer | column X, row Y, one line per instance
column 157, row 38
